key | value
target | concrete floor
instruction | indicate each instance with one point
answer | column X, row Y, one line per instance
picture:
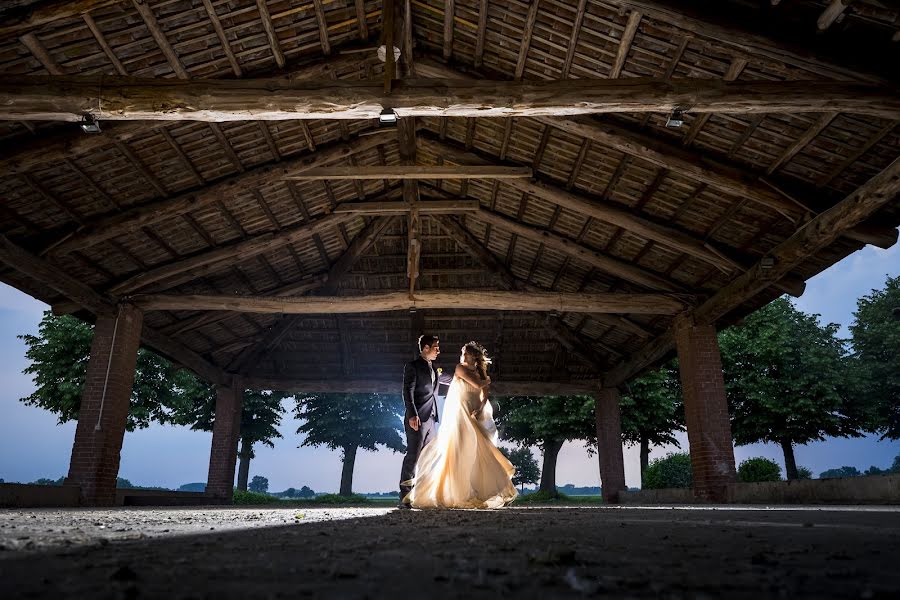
column 213, row 552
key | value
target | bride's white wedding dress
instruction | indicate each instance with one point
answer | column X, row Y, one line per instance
column 462, row 467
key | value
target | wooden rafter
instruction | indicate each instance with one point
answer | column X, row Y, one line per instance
column 573, row 42
column 162, row 41
column 631, row 27
column 133, row 219
column 43, row 13
column 271, row 35
column 654, row 304
column 430, row 207
column 414, row 172
column 527, row 32
column 30, row 41
column 68, row 97
column 815, row 235
column 386, row 386
column 449, row 12
column 481, row 31
column 223, row 38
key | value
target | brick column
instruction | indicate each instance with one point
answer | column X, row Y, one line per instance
column 226, row 431
column 706, row 409
column 104, row 406
column 609, row 444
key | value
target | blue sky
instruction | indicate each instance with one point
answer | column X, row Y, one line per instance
column 33, row 445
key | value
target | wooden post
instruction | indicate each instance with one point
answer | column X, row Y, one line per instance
column 609, row 444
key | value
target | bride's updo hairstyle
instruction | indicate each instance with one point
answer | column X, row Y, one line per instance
column 477, row 351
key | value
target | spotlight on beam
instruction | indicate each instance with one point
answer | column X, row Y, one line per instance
column 89, row 124
column 676, row 118
column 387, row 117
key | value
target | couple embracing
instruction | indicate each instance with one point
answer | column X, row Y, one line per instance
column 457, row 465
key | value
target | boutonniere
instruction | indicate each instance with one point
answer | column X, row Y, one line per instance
column 439, row 370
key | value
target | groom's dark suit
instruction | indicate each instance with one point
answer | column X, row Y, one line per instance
column 420, row 387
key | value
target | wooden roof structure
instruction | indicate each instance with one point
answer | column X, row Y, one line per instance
column 530, row 195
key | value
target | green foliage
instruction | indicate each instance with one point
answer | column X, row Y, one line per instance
column 306, row 492
column 341, row 421
column 804, row 473
column 876, row 339
column 261, row 414
column 786, row 379
column 59, row 356
column 894, row 468
column 542, row 498
column 873, row 470
column 652, row 410
column 48, row 481
column 339, row 499
column 527, row 469
column 672, row 471
column 258, row 484
column 759, row 469
column 241, row 497
column 841, row 472
column 534, row 421
column 193, row 487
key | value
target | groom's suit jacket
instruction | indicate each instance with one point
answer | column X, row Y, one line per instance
column 420, row 390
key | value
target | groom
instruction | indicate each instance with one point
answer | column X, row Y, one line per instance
column 420, row 385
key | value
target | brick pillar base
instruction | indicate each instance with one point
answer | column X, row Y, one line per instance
column 104, row 406
column 706, row 409
column 609, row 443
column 226, row 431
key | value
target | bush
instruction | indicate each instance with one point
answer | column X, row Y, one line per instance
column 241, row 497
column 673, row 471
column 841, row 472
column 759, row 469
column 804, row 473
column 338, row 499
column 542, row 498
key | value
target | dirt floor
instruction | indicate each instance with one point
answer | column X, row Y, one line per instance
column 211, row 552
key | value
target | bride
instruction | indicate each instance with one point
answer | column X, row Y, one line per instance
column 463, row 468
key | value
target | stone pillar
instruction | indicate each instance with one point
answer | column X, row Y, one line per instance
column 226, row 432
column 609, row 444
column 706, row 409
column 105, row 400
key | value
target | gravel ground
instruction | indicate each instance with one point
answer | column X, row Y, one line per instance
column 224, row 552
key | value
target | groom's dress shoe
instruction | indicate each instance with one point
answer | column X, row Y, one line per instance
column 404, row 506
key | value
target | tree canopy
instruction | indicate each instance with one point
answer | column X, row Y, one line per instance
column 527, row 469
column 786, row 377
column 349, row 422
column 259, row 484
column 876, row 339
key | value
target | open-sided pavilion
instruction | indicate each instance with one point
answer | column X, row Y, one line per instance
column 272, row 205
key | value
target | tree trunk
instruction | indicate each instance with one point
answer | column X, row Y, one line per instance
column 548, row 471
column 244, row 467
column 347, row 473
column 645, row 456
column 790, row 465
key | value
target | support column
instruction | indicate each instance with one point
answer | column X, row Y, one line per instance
column 105, row 400
column 705, row 408
column 226, row 432
column 609, row 444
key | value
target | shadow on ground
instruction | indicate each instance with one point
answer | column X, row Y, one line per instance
column 521, row 552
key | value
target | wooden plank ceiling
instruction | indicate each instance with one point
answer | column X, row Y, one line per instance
column 577, row 206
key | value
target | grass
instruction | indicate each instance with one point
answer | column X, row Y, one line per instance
column 540, row 498
column 252, row 498
column 245, row 498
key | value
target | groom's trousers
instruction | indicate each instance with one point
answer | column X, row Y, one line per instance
column 415, row 441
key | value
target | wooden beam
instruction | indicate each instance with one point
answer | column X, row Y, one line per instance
column 30, row 41
column 601, row 211
column 153, row 212
column 831, row 13
column 19, row 19
column 223, row 38
column 57, row 279
column 573, row 343
column 387, row 34
column 803, row 141
column 361, row 23
column 470, row 244
column 430, row 207
column 449, row 10
column 269, row 28
column 415, row 172
column 815, row 235
column 573, row 41
column 807, row 241
column 251, row 246
column 605, row 263
column 527, row 32
column 631, row 27
column 323, row 27
column 41, row 150
column 68, row 97
column 150, row 21
column 654, row 304
column 481, row 31
column 390, row 386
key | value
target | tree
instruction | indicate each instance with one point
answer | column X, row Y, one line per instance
column 876, row 337
column 842, row 472
column 548, row 422
column 261, row 413
column 652, row 409
column 804, row 473
column 59, row 355
column 527, row 470
column 349, row 422
column 673, row 471
column 759, row 469
column 306, row 492
column 259, row 484
column 787, row 381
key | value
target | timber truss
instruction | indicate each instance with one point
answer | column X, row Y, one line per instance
column 298, row 224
